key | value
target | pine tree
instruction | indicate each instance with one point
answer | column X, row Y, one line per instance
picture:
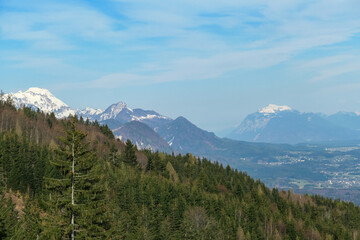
column 113, row 154
column 150, row 164
column 129, row 156
column 77, row 197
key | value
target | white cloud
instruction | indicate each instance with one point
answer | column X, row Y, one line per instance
column 326, row 61
column 22, row 61
column 201, row 39
column 193, row 68
column 56, row 26
column 336, row 71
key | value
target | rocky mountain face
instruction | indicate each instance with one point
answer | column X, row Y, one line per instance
column 281, row 124
column 119, row 113
column 183, row 135
column 143, row 136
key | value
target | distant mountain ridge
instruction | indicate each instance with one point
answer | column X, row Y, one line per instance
column 349, row 120
column 298, row 166
column 143, row 136
column 122, row 113
column 282, row 124
column 271, row 124
column 43, row 99
column 115, row 116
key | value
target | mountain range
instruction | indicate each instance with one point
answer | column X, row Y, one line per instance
column 265, row 144
column 282, row 124
column 149, row 129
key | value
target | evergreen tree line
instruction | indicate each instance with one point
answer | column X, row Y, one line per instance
column 71, row 191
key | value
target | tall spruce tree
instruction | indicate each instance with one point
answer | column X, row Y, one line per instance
column 129, row 156
column 76, row 198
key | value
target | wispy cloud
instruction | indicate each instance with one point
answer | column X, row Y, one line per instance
column 336, row 71
column 51, row 26
column 278, row 32
column 191, row 68
column 186, row 40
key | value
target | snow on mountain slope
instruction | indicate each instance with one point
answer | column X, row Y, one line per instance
column 122, row 113
column 257, row 121
column 89, row 113
column 272, row 108
column 253, row 126
column 147, row 116
column 43, row 99
column 281, row 124
column 116, row 111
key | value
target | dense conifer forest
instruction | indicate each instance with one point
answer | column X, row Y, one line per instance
column 70, row 179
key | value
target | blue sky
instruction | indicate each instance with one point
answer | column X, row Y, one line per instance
column 213, row 62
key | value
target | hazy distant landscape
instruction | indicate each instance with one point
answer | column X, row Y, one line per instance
column 330, row 168
column 191, row 120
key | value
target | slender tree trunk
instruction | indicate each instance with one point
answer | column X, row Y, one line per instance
column 72, row 189
column 2, row 120
column 37, row 135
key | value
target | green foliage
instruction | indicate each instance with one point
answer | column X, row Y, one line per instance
column 23, row 163
column 174, row 197
column 129, row 156
column 8, row 218
column 107, row 131
column 77, row 195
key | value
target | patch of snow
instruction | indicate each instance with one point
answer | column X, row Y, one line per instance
column 148, row 116
column 171, row 141
column 272, row 108
column 90, row 111
column 256, row 137
column 65, row 113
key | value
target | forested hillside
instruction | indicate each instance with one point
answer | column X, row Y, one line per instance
column 63, row 179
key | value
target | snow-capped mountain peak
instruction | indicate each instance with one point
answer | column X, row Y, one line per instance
column 43, row 99
column 118, row 107
column 272, row 108
column 114, row 110
column 118, row 113
column 37, row 90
